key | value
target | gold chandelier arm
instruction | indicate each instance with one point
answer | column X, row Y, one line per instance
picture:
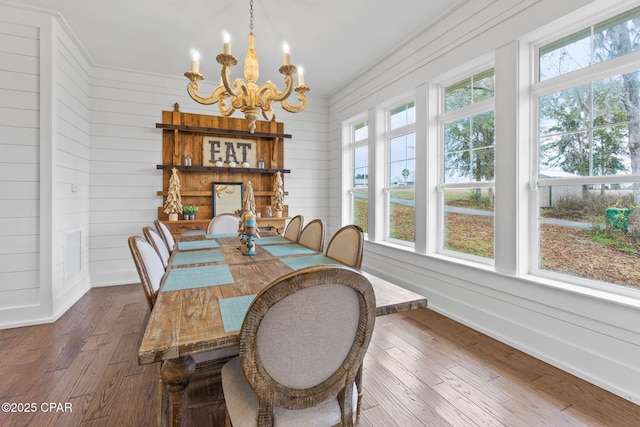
column 225, row 75
column 242, row 99
column 217, row 93
column 302, row 97
column 267, row 112
column 269, row 91
column 223, row 104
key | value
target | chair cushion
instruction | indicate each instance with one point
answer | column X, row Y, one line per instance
column 242, row 404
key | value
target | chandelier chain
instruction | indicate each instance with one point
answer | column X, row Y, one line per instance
column 251, row 16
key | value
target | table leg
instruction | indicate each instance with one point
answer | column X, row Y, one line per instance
column 175, row 374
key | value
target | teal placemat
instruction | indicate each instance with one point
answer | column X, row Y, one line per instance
column 233, row 311
column 197, row 277
column 287, row 250
column 214, row 236
column 306, row 261
column 272, row 240
column 197, row 257
column 198, row 244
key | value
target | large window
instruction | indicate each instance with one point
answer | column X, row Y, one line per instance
column 360, row 174
column 588, row 161
column 401, row 172
column 467, row 124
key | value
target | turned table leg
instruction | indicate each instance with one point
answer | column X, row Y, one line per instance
column 175, row 374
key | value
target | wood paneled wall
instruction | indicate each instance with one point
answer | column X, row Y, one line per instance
column 183, row 135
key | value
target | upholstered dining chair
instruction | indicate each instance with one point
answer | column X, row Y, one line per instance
column 163, row 230
column 223, row 224
column 312, row 235
column 158, row 244
column 302, row 340
column 292, row 232
column 149, row 266
column 347, row 245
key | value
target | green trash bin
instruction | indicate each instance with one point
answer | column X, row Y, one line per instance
column 618, row 218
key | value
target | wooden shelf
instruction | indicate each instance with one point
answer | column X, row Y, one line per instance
column 208, row 193
column 221, row 169
column 200, row 129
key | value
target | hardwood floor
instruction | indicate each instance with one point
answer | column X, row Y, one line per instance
column 422, row 369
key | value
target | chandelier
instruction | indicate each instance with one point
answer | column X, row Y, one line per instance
column 246, row 95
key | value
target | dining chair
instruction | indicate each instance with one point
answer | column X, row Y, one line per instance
column 149, row 266
column 164, row 232
column 302, row 340
column 224, row 223
column 347, row 245
column 158, row 244
column 292, row 232
column 312, row 235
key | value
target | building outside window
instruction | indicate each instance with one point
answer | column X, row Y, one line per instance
column 401, row 168
column 360, row 174
column 467, row 179
column 588, row 152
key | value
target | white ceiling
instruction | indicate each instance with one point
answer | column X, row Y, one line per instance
column 334, row 40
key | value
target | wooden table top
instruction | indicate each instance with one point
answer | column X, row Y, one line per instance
column 188, row 321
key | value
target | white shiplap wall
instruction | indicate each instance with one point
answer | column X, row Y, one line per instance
column 70, row 140
column 595, row 335
column 126, row 147
column 44, row 128
column 19, row 165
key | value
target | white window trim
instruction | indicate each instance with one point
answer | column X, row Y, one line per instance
column 448, row 117
column 586, row 75
column 386, row 189
column 349, row 147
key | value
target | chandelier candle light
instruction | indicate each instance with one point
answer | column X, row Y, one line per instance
column 246, row 95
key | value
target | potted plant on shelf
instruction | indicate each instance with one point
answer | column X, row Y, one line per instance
column 189, row 212
column 173, row 203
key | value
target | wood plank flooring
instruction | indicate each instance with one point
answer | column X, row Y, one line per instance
column 422, row 369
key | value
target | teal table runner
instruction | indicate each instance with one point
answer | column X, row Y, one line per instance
column 197, row 257
column 233, row 311
column 272, row 240
column 306, row 261
column 214, row 236
column 287, row 250
column 198, row 244
column 197, row 277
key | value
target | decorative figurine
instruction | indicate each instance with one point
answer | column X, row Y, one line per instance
column 248, row 236
column 278, row 195
column 173, row 203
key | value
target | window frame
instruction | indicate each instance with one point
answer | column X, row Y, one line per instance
column 390, row 134
column 351, row 147
column 444, row 117
column 539, row 88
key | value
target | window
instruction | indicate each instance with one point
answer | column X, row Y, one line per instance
column 588, row 159
column 467, row 178
column 360, row 175
column 401, row 173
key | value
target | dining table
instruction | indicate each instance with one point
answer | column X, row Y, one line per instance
column 205, row 293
